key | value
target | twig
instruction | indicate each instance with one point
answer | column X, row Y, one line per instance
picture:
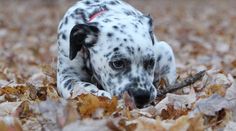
column 188, row 81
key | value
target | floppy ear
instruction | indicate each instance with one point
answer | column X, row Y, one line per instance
column 82, row 35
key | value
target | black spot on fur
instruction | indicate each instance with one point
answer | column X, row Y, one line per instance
column 130, row 50
column 106, row 20
column 165, row 69
column 78, row 11
column 129, row 12
column 83, row 17
column 63, row 53
column 86, row 84
column 112, row 3
column 140, row 22
column 115, row 27
column 159, row 58
column 108, row 54
column 69, row 87
column 93, row 91
column 170, row 59
column 66, row 20
column 87, row 2
column 67, row 83
column 136, row 80
column 125, row 40
column 121, row 31
column 109, row 34
column 123, row 26
column 76, row 74
column 116, row 49
column 61, row 25
column 64, row 36
column 152, row 37
column 66, row 70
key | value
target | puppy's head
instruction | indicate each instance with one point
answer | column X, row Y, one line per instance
column 122, row 56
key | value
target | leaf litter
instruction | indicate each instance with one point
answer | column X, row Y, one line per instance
column 202, row 34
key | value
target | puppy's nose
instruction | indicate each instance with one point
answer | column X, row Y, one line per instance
column 141, row 97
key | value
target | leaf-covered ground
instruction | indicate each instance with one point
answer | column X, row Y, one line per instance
column 202, row 34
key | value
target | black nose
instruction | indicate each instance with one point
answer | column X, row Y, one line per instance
column 141, row 97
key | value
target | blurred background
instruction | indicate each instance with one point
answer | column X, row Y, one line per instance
column 202, row 33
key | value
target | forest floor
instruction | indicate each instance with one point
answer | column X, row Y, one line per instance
column 202, row 34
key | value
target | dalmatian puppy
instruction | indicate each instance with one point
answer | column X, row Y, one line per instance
column 107, row 47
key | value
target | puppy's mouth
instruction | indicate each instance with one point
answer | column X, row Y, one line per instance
column 130, row 103
column 136, row 100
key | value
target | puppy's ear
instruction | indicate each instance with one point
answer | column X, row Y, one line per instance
column 82, row 35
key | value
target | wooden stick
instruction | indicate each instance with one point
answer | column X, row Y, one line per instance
column 186, row 82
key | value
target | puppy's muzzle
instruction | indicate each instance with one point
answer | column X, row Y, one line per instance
column 140, row 96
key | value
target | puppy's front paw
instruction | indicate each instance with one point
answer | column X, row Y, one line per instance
column 86, row 88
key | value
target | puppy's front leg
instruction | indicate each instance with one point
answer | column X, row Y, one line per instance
column 70, row 85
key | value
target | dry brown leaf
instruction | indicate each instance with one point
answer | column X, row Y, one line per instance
column 71, row 113
column 23, row 110
column 52, row 92
column 108, row 105
column 231, row 126
column 88, row 104
column 210, row 106
column 143, row 123
column 218, row 89
column 181, row 124
column 42, row 93
column 178, row 101
column 8, row 108
column 128, row 101
column 171, row 113
column 196, row 123
column 10, row 124
column 17, row 90
column 87, row 125
column 112, row 126
column 230, row 95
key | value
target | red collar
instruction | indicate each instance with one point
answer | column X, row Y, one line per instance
column 96, row 14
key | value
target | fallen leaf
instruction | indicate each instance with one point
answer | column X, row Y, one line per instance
column 87, row 125
column 9, row 123
column 231, row 126
column 178, row 101
column 181, row 124
column 209, row 106
column 88, row 104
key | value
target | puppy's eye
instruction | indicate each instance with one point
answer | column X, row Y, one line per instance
column 149, row 64
column 118, row 64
